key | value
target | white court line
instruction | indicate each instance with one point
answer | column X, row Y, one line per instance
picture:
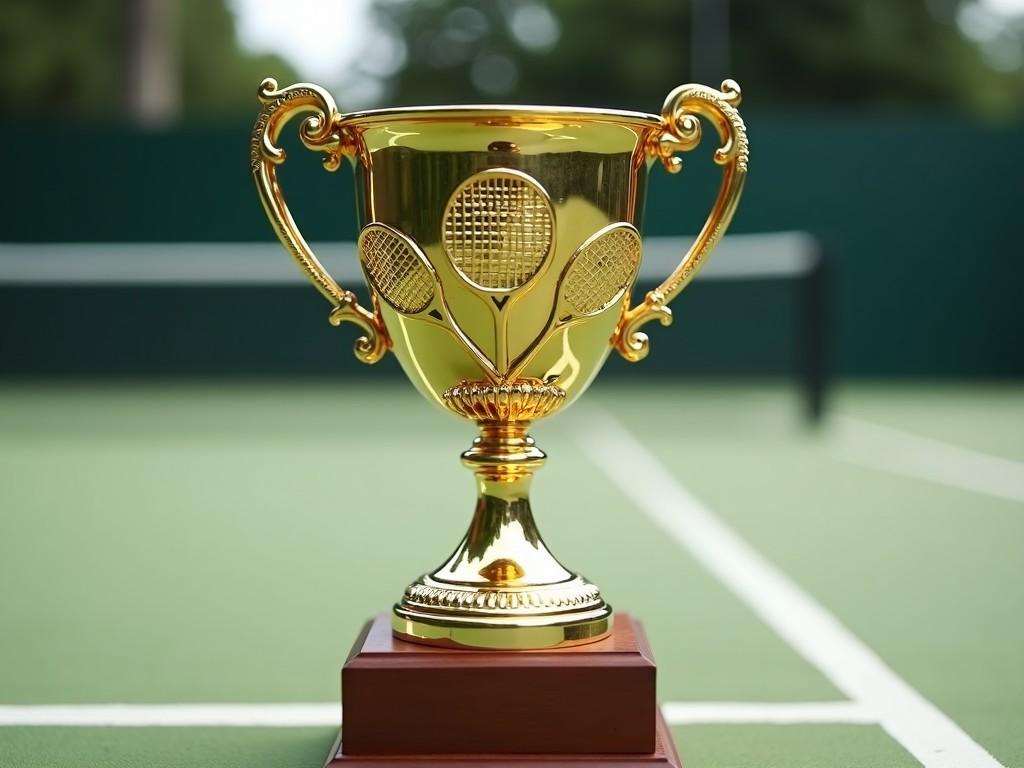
column 913, row 721
column 305, row 715
column 892, row 450
column 154, row 715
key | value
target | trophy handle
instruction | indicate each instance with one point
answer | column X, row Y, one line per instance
column 681, row 133
column 320, row 131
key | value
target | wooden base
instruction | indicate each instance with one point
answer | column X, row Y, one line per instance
column 402, row 698
column 664, row 754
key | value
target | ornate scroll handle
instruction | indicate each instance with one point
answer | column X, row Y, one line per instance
column 682, row 133
column 321, row 132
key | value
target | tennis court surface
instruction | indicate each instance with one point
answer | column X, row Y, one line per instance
column 204, row 555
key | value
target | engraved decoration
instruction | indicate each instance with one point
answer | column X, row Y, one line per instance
column 319, row 132
column 523, row 400
column 579, row 594
column 602, row 270
column 498, row 229
column 400, row 274
column 596, row 277
column 498, row 232
column 682, row 133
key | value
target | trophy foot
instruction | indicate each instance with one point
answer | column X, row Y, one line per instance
column 511, row 618
column 502, row 588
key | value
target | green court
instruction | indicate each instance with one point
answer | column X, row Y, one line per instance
column 849, row 595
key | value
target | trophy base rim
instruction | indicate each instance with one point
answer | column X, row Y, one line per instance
column 506, row 633
column 664, row 755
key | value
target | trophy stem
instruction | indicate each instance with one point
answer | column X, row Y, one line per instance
column 502, row 587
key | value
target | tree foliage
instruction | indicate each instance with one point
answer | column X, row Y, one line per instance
column 617, row 54
column 67, row 57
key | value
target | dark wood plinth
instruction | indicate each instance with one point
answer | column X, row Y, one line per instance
column 401, row 698
column 664, row 755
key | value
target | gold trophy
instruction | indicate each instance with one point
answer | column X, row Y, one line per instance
column 500, row 246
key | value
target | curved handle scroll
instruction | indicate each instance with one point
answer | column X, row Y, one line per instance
column 682, row 132
column 319, row 132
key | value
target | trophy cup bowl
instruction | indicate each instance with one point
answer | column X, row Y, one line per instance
column 500, row 245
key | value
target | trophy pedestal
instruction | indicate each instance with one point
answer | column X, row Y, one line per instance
column 408, row 704
column 663, row 756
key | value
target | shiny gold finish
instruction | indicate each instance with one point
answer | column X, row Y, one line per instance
column 319, row 132
column 398, row 271
column 596, row 277
column 498, row 233
column 599, row 272
column 522, row 636
column 502, row 588
column 682, row 133
column 500, row 245
column 521, row 400
column 498, row 229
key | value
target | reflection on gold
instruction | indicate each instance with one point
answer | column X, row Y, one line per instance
column 566, row 362
column 501, row 245
column 397, row 136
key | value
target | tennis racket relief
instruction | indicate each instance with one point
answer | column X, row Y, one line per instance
column 400, row 273
column 498, row 232
column 597, row 275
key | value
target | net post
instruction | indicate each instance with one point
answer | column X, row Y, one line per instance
column 815, row 317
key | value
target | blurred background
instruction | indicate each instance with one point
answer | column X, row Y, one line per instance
column 203, row 494
column 890, row 132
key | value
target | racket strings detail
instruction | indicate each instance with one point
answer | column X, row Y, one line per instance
column 601, row 270
column 398, row 273
column 498, row 230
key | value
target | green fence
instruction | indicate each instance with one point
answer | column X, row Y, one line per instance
column 919, row 212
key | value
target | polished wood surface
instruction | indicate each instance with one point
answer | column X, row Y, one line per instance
column 662, row 756
column 400, row 698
